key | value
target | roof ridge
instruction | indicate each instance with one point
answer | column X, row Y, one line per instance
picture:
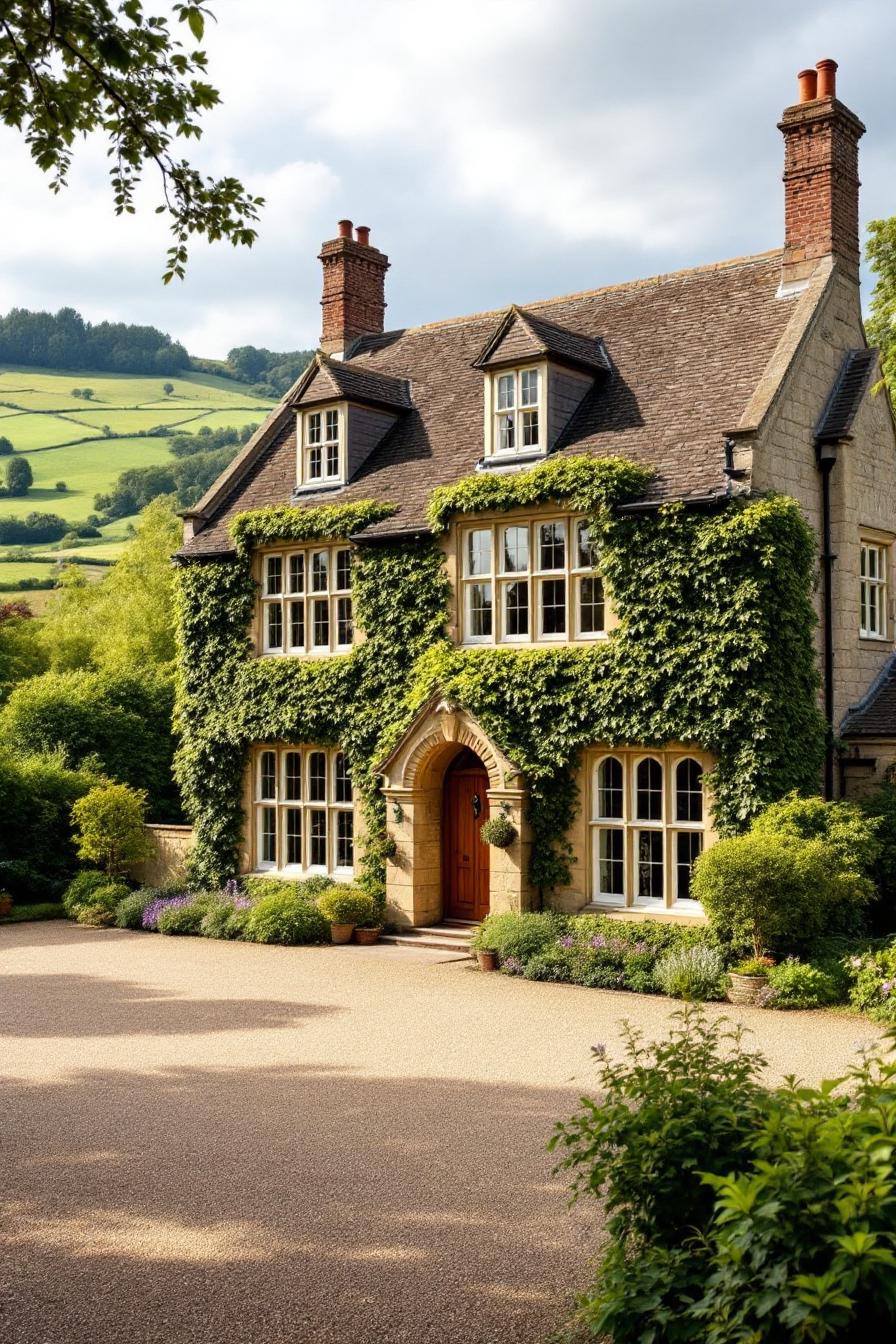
column 643, row 283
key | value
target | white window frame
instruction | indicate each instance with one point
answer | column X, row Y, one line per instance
column 534, row 576
column 335, row 595
column 668, row 826
column 321, row 429
column 519, row 410
column 874, row 573
column 334, row 809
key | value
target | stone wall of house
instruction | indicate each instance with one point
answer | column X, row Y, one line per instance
column 863, row 485
column 167, row 862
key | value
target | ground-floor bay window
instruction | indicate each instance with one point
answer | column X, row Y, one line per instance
column 648, row 819
column 302, row 811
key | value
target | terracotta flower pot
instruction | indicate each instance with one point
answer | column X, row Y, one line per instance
column 341, row 933
column 367, row 937
column 5, row 906
column 488, row 961
column 745, row 989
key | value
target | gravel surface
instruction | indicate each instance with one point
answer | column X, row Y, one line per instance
column 229, row 1144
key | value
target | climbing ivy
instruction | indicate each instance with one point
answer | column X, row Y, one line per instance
column 714, row 647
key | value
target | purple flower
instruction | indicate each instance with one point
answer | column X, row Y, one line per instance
column 512, row 966
column 566, row 941
column 886, row 988
column 599, row 1051
column 155, row 908
column 231, row 890
column 598, row 941
column 241, row 903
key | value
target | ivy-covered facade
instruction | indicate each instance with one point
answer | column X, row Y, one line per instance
column 564, row 567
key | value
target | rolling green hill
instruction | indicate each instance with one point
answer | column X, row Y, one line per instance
column 67, row 438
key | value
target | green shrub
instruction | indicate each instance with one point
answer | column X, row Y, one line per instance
column 691, row 973
column 767, row 892
column 287, row 917
column 347, row 905
column 753, row 966
column 129, row 911
column 518, row 935
column 873, row 977
column 109, row 830
column 20, row 914
column 723, row 1224
column 81, row 889
column 309, row 887
column 849, row 831
column 100, row 906
column 184, row 919
column 796, row 984
column 881, row 806
column 36, row 797
column 225, row 919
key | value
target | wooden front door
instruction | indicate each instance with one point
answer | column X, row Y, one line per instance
column 464, row 855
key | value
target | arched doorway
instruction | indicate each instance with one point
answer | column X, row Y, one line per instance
column 465, row 857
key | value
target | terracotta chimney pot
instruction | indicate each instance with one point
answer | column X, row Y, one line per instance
column 827, row 79
column 807, row 83
column 345, row 228
column 362, row 233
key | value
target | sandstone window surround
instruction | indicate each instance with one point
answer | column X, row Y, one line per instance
column 321, row 447
column 648, row 818
column 526, row 581
column 306, row 601
column 302, row 811
column 874, row 568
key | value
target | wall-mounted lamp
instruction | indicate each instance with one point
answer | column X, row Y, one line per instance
column 505, row 808
column 397, row 813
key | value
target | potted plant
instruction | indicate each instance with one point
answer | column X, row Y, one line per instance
column 498, row 831
column 5, row 904
column 346, row 908
column 482, row 944
column 748, row 979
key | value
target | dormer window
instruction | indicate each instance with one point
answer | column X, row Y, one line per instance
column 517, row 397
column 321, row 455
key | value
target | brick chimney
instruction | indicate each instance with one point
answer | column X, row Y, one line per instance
column 354, row 288
column 821, row 177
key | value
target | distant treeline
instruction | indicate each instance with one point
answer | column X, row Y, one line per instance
column 64, row 340
column 198, row 460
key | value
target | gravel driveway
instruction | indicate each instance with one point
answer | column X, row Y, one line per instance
column 230, row 1144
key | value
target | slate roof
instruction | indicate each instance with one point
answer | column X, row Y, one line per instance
column 325, row 378
column 846, row 395
column 687, row 352
column 875, row 714
column 521, row 335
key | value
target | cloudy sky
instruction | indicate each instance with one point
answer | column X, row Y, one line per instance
column 500, row 150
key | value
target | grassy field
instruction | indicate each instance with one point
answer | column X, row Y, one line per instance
column 61, row 436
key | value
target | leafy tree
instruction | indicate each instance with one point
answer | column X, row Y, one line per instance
column 19, row 476
column 76, row 391
column 125, row 621
column 21, row 654
column 61, row 487
column 880, row 252
column 168, row 388
column 34, row 527
column 87, row 393
column 6, row 448
column 108, row 824
column 97, row 65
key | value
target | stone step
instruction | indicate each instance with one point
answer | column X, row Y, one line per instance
column 451, row 936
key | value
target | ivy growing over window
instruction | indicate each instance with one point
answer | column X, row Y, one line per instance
column 714, row 647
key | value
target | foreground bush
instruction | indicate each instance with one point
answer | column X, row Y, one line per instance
column 287, row 917
column 519, row 937
column 184, row 914
column 347, row 905
column 81, row 888
column 769, row 892
column 20, row 914
column 129, row 911
column 227, row 916
column 723, row 1227
column 874, row 982
column 108, row 824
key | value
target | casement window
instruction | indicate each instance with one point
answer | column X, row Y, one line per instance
column 518, row 416
column 873, row 568
column 306, row 601
column 303, row 819
column 530, row 581
column 321, row 446
column 648, row 826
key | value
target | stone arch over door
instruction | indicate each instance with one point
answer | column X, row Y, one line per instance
column 413, row 776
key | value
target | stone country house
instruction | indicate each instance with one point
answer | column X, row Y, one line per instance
column 727, row 384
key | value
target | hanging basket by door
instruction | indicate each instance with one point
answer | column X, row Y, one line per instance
column 498, row 831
